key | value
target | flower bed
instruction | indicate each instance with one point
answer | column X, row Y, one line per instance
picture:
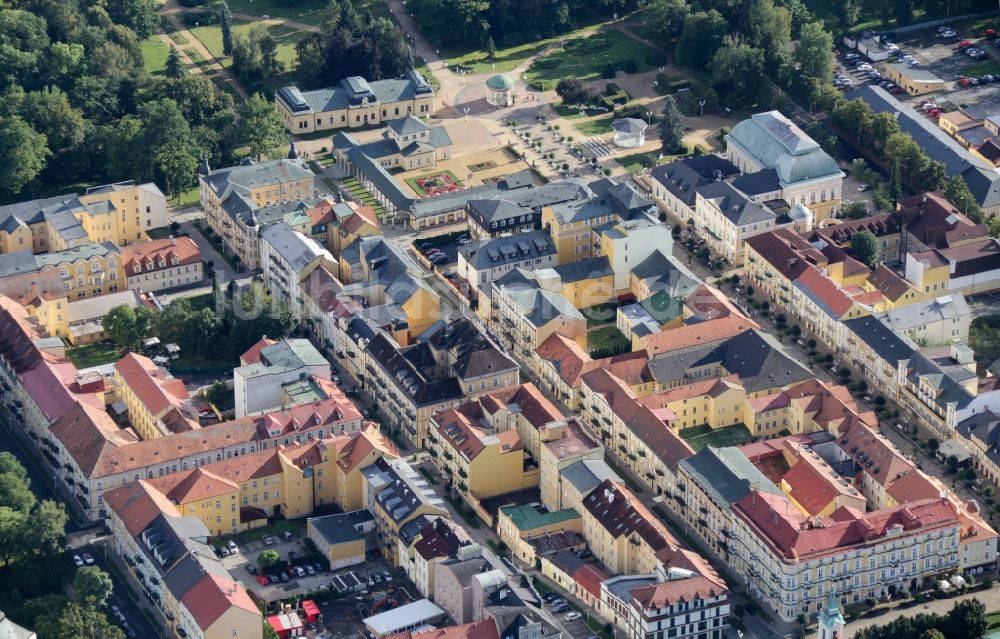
column 483, row 166
column 436, row 184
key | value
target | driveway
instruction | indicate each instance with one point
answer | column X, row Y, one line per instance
column 209, row 254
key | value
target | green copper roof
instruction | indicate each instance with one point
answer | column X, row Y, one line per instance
column 500, row 83
column 527, row 517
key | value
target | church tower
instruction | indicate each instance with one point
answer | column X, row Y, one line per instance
column 831, row 620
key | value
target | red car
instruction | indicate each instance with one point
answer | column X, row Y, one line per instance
column 263, row 580
column 965, row 82
column 964, row 44
column 935, row 113
column 990, row 33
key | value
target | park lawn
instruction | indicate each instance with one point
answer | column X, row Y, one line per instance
column 306, row 11
column 608, row 339
column 698, row 437
column 597, row 126
column 425, row 71
column 154, row 55
column 286, row 37
column 509, row 58
column 94, row 354
column 585, row 57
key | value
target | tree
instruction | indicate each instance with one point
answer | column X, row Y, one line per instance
column 268, row 559
column 127, row 326
column 50, row 113
column 847, row 11
column 331, row 17
column 11, row 465
column 269, row 632
column 573, row 91
column 702, row 36
column 25, row 151
column 45, row 529
column 665, row 17
column 261, row 128
column 895, row 182
column 866, row 247
column 137, row 15
column 739, row 74
column 93, row 585
column 933, row 633
column 671, row 126
column 226, row 25
column 15, row 493
column 966, row 618
column 177, row 162
column 217, row 393
column 855, row 211
column 81, row 621
column 491, row 49
column 814, row 55
column 174, row 66
column 957, row 192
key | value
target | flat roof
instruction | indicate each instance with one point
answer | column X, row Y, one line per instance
column 390, row 621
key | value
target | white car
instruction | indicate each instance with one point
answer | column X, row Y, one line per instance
column 233, row 548
column 572, row 616
column 77, row 560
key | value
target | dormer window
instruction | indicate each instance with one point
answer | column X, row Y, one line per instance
column 163, row 263
column 138, row 267
column 175, row 261
column 149, row 265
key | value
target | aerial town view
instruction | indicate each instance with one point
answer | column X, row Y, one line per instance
column 493, row 319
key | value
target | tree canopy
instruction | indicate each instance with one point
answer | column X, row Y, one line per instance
column 866, row 247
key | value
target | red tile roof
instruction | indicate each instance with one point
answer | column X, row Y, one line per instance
column 136, row 257
column 668, row 593
column 214, row 596
column 793, row 536
column 571, row 361
column 252, row 356
column 812, row 490
column 534, row 406
column 698, row 334
column 137, row 504
column 195, row 485
column 154, row 386
column 590, row 577
column 885, row 280
column 616, row 509
column 825, row 291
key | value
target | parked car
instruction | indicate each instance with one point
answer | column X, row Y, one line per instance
column 310, row 570
column 269, row 540
column 387, row 576
column 561, row 608
column 263, row 580
column 77, row 560
column 293, row 556
column 252, row 569
column 287, row 535
column 284, row 576
column 88, row 559
column 233, row 548
column 116, row 612
column 572, row 616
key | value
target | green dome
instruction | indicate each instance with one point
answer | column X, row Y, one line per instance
column 500, row 83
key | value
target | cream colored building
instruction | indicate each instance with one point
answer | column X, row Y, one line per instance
column 354, row 102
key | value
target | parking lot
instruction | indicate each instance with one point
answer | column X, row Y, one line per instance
column 295, row 586
column 967, row 79
column 449, row 248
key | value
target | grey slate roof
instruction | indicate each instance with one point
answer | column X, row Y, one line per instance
column 84, row 252
column 294, row 248
column 509, row 187
column 886, row 343
column 498, row 251
column 984, row 427
column 682, row 177
column 493, row 211
column 734, row 206
column 407, row 126
column 17, row 263
column 753, row 184
column 944, row 380
column 342, row 527
column 352, row 90
column 587, row 269
column 946, row 307
column 726, row 475
column 587, row 474
column 632, row 126
column 244, row 177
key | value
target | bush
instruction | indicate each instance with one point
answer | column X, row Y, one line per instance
column 609, row 71
column 200, row 18
column 656, row 59
column 630, row 66
column 612, row 89
column 987, row 584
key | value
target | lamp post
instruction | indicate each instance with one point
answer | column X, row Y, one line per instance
column 701, row 105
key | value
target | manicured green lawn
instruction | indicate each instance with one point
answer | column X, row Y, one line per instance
column 307, row 11
column 585, row 57
column 597, row 126
column 600, row 314
column 606, row 341
column 981, row 68
column 154, row 55
column 698, row 437
column 636, row 161
column 211, row 37
column 509, row 58
column 419, row 191
column 425, row 71
column 94, row 354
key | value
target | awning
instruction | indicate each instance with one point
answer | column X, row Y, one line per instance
column 311, row 610
column 957, row 581
column 943, row 585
